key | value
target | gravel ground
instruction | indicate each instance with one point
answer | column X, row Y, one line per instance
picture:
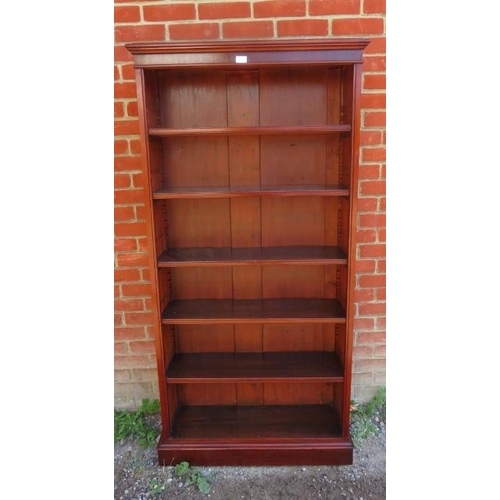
column 138, row 477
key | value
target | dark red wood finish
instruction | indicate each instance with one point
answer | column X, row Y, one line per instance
column 250, row 151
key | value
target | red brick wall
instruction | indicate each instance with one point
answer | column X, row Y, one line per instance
column 141, row 20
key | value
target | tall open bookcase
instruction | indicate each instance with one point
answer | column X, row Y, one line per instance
column 250, row 151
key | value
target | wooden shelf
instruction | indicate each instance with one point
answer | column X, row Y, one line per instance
column 213, row 311
column 255, row 367
column 322, row 129
column 300, row 255
column 256, row 422
column 238, row 191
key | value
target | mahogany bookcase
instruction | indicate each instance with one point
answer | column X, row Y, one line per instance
column 250, row 151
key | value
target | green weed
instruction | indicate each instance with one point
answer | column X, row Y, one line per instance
column 134, row 425
column 363, row 423
column 193, row 476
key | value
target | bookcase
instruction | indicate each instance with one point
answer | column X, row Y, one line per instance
column 250, row 150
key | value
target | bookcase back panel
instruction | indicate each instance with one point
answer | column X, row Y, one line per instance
column 204, row 338
column 293, row 96
column 193, row 99
column 292, row 221
column 199, row 223
column 293, row 160
column 195, row 161
column 281, row 393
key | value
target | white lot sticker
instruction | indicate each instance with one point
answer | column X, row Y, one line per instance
column 241, row 59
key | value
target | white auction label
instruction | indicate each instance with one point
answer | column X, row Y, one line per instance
column 241, row 59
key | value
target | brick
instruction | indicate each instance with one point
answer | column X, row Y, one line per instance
column 125, row 90
column 130, row 229
column 132, row 361
column 121, row 348
column 365, row 266
column 374, row 82
column 176, row 12
column 127, row 163
column 380, row 323
column 125, row 245
column 142, row 347
column 226, row 10
column 380, row 351
column 370, row 337
column 373, row 100
column 194, row 31
column 376, row 46
column 122, row 375
column 132, row 109
column 372, row 188
column 117, row 73
column 119, row 110
column 372, row 154
column 374, row 119
column 252, row 29
column 122, row 275
column 382, row 204
column 122, row 181
column 358, row 26
column 280, row 8
column 381, row 234
column 126, row 196
column 126, row 127
column 377, row 250
column 138, row 318
column 368, row 204
column 121, row 54
column 364, row 323
column 374, row 7
column 372, row 220
column 303, row 27
column 129, row 305
column 118, row 320
column 374, row 365
column 130, row 333
column 366, row 236
column 117, row 291
column 327, row 7
column 369, row 172
column 121, row 146
column 135, row 146
column 381, row 266
column 132, row 259
column 124, row 213
column 381, row 294
column 142, row 243
column 362, row 378
column 128, row 73
column 128, row 14
column 362, row 351
column 371, row 280
column 370, row 137
column 364, row 394
column 371, row 309
column 364, row 295
column 379, row 379
column 374, row 63
column 146, row 275
column 145, row 375
column 141, row 211
column 150, row 32
column 139, row 180
column 137, row 290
